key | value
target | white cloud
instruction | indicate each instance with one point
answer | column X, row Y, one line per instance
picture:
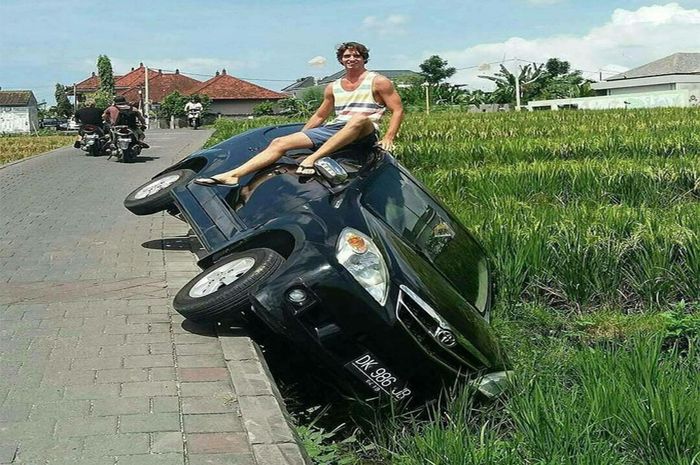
column 629, row 39
column 392, row 24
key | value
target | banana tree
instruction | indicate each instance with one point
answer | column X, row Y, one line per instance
column 511, row 88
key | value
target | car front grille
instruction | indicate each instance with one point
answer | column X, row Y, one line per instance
column 433, row 334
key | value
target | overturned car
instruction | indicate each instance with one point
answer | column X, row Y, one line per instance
column 357, row 266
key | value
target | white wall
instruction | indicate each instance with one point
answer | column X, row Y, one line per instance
column 671, row 98
column 641, row 89
column 17, row 120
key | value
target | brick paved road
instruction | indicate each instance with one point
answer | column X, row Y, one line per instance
column 94, row 366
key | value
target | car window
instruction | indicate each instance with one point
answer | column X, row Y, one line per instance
column 408, row 211
column 424, row 224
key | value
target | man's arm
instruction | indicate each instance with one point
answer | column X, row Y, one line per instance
column 323, row 111
column 387, row 93
column 107, row 116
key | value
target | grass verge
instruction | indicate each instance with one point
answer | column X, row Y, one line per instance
column 17, row 147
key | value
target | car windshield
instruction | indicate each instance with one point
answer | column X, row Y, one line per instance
column 425, row 225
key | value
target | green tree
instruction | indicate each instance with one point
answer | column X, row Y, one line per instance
column 312, row 97
column 410, row 89
column 528, row 77
column 172, row 104
column 294, row 107
column 435, row 70
column 104, row 70
column 102, row 99
column 264, row 108
column 556, row 67
column 63, row 105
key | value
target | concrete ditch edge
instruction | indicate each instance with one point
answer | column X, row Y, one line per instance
column 265, row 417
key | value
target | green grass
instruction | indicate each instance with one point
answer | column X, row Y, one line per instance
column 17, row 147
column 592, row 219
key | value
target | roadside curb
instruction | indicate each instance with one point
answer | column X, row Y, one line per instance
column 265, row 418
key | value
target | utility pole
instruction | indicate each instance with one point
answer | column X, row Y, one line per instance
column 427, row 98
column 517, row 92
column 75, row 98
column 146, row 106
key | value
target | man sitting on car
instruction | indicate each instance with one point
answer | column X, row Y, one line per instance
column 88, row 115
column 359, row 99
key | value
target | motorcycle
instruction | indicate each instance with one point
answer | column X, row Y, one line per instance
column 93, row 140
column 193, row 118
column 126, row 144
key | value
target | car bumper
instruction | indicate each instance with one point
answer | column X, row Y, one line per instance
column 339, row 322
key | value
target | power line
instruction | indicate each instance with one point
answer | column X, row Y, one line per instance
column 213, row 75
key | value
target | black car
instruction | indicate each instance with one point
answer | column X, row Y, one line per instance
column 53, row 123
column 358, row 266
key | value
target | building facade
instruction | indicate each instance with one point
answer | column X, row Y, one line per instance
column 19, row 113
column 672, row 81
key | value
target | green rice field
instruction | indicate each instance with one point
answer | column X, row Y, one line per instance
column 592, row 219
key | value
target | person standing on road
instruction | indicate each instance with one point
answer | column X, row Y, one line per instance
column 359, row 99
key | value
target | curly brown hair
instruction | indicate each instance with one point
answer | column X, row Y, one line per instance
column 361, row 49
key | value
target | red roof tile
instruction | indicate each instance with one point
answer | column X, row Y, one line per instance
column 91, row 83
column 134, row 78
column 161, row 85
column 224, row 86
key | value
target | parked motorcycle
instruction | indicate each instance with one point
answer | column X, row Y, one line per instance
column 193, row 118
column 126, row 144
column 93, row 141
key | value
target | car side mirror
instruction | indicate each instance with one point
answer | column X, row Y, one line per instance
column 330, row 169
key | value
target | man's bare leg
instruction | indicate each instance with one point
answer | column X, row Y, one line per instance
column 355, row 129
column 271, row 154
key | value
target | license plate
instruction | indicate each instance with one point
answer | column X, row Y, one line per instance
column 378, row 377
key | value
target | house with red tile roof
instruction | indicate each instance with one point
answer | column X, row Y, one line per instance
column 231, row 96
column 160, row 84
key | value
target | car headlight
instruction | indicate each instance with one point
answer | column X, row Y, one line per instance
column 361, row 257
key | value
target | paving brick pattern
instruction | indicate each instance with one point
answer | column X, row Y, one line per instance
column 95, row 366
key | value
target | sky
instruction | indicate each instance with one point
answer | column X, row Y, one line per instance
column 270, row 43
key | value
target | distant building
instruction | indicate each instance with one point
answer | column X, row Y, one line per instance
column 673, row 81
column 231, row 96
column 18, row 111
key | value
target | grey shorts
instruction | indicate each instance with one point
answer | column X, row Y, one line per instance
column 321, row 134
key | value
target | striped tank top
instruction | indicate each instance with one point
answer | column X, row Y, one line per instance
column 357, row 102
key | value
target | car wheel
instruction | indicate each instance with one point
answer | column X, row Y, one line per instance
column 154, row 196
column 223, row 289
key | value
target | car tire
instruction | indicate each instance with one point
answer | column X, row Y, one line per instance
column 154, row 196
column 222, row 290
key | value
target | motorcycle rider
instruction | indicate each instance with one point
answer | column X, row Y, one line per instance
column 122, row 112
column 88, row 115
column 194, row 105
